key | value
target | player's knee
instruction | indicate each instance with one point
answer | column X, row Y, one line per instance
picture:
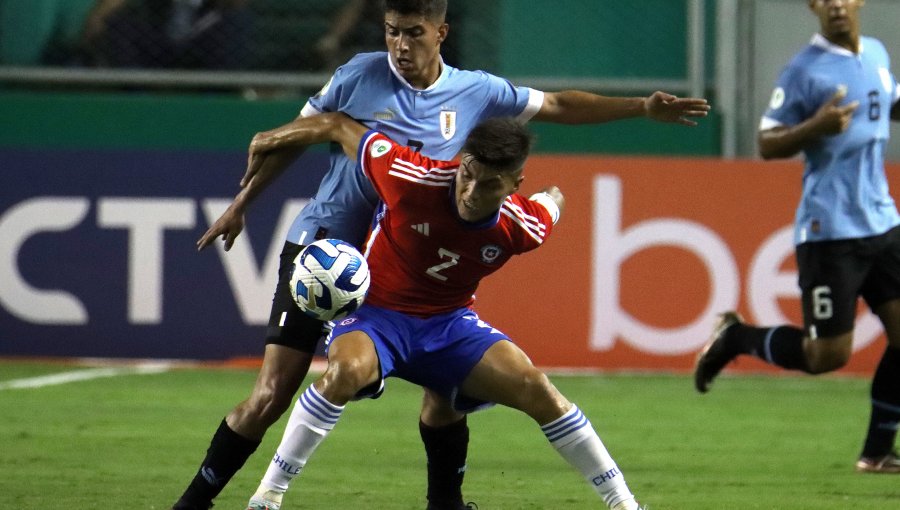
column 827, row 363
column 828, row 354
column 437, row 411
column 345, row 378
column 538, row 397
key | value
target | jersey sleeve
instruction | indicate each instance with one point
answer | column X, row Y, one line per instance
column 895, row 96
column 375, row 155
column 331, row 97
column 382, row 161
column 508, row 100
column 532, row 220
column 324, row 100
column 788, row 104
column 395, row 169
column 888, row 78
column 547, row 201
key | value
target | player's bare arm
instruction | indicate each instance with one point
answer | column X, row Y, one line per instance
column 230, row 224
column 269, row 163
column 578, row 107
column 831, row 119
column 269, row 143
column 327, row 127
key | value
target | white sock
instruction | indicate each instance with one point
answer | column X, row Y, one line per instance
column 311, row 420
column 575, row 439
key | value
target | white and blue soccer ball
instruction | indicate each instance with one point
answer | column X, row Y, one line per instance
column 330, row 279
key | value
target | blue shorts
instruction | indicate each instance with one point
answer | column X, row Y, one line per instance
column 437, row 352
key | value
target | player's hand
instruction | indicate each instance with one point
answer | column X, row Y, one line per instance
column 229, row 226
column 664, row 107
column 832, row 119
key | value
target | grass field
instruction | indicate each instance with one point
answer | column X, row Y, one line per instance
column 134, row 441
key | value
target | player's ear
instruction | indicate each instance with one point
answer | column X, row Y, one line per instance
column 518, row 183
column 443, row 30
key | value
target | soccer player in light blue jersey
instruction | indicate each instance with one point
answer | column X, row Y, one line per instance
column 412, row 96
column 833, row 102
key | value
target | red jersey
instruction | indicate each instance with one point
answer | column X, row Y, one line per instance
column 423, row 257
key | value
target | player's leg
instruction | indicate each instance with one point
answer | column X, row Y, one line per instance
column 445, row 434
column 291, row 341
column 506, row 376
column 831, row 275
column 353, row 365
column 878, row 454
column 882, row 293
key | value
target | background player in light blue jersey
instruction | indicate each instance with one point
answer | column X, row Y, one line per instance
column 833, row 102
column 411, row 95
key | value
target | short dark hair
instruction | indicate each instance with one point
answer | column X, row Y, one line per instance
column 435, row 10
column 502, row 143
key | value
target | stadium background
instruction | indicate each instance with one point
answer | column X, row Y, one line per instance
column 110, row 174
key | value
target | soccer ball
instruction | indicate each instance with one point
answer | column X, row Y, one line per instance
column 329, row 279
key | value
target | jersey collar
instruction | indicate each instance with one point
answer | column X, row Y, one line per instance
column 444, row 71
column 820, row 41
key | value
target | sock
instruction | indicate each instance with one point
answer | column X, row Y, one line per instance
column 227, row 453
column 885, row 406
column 445, row 450
column 312, row 418
column 780, row 345
column 575, row 439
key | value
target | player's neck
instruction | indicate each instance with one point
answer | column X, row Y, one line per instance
column 427, row 78
column 847, row 40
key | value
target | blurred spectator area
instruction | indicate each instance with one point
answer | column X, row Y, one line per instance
column 276, row 35
column 603, row 45
column 510, row 37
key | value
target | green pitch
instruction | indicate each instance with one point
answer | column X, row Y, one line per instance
column 134, row 441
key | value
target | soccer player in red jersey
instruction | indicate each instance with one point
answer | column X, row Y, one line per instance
column 441, row 228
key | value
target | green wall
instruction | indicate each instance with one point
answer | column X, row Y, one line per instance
column 136, row 121
column 599, row 38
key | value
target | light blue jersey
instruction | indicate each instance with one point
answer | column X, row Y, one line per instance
column 435, row 120
column 845, row 191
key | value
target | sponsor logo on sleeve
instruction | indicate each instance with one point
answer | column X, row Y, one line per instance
column 777, row 100
column 379, row 148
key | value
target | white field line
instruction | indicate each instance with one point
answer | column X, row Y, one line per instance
column 81, row 375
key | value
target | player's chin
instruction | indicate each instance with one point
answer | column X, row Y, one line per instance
column 470, row 214
column 405, row 66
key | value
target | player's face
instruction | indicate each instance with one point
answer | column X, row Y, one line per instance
column 481, row 190
column 837, row 18
column 414, row 44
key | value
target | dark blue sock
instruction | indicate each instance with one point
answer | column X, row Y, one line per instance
column 885, row 406
column 446, row 449
column 227, row 452
column 780, row 345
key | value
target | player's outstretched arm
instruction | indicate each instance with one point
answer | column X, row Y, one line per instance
column 271, row 152
column 579, row 107
column 326, row 127
column 230, row 224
